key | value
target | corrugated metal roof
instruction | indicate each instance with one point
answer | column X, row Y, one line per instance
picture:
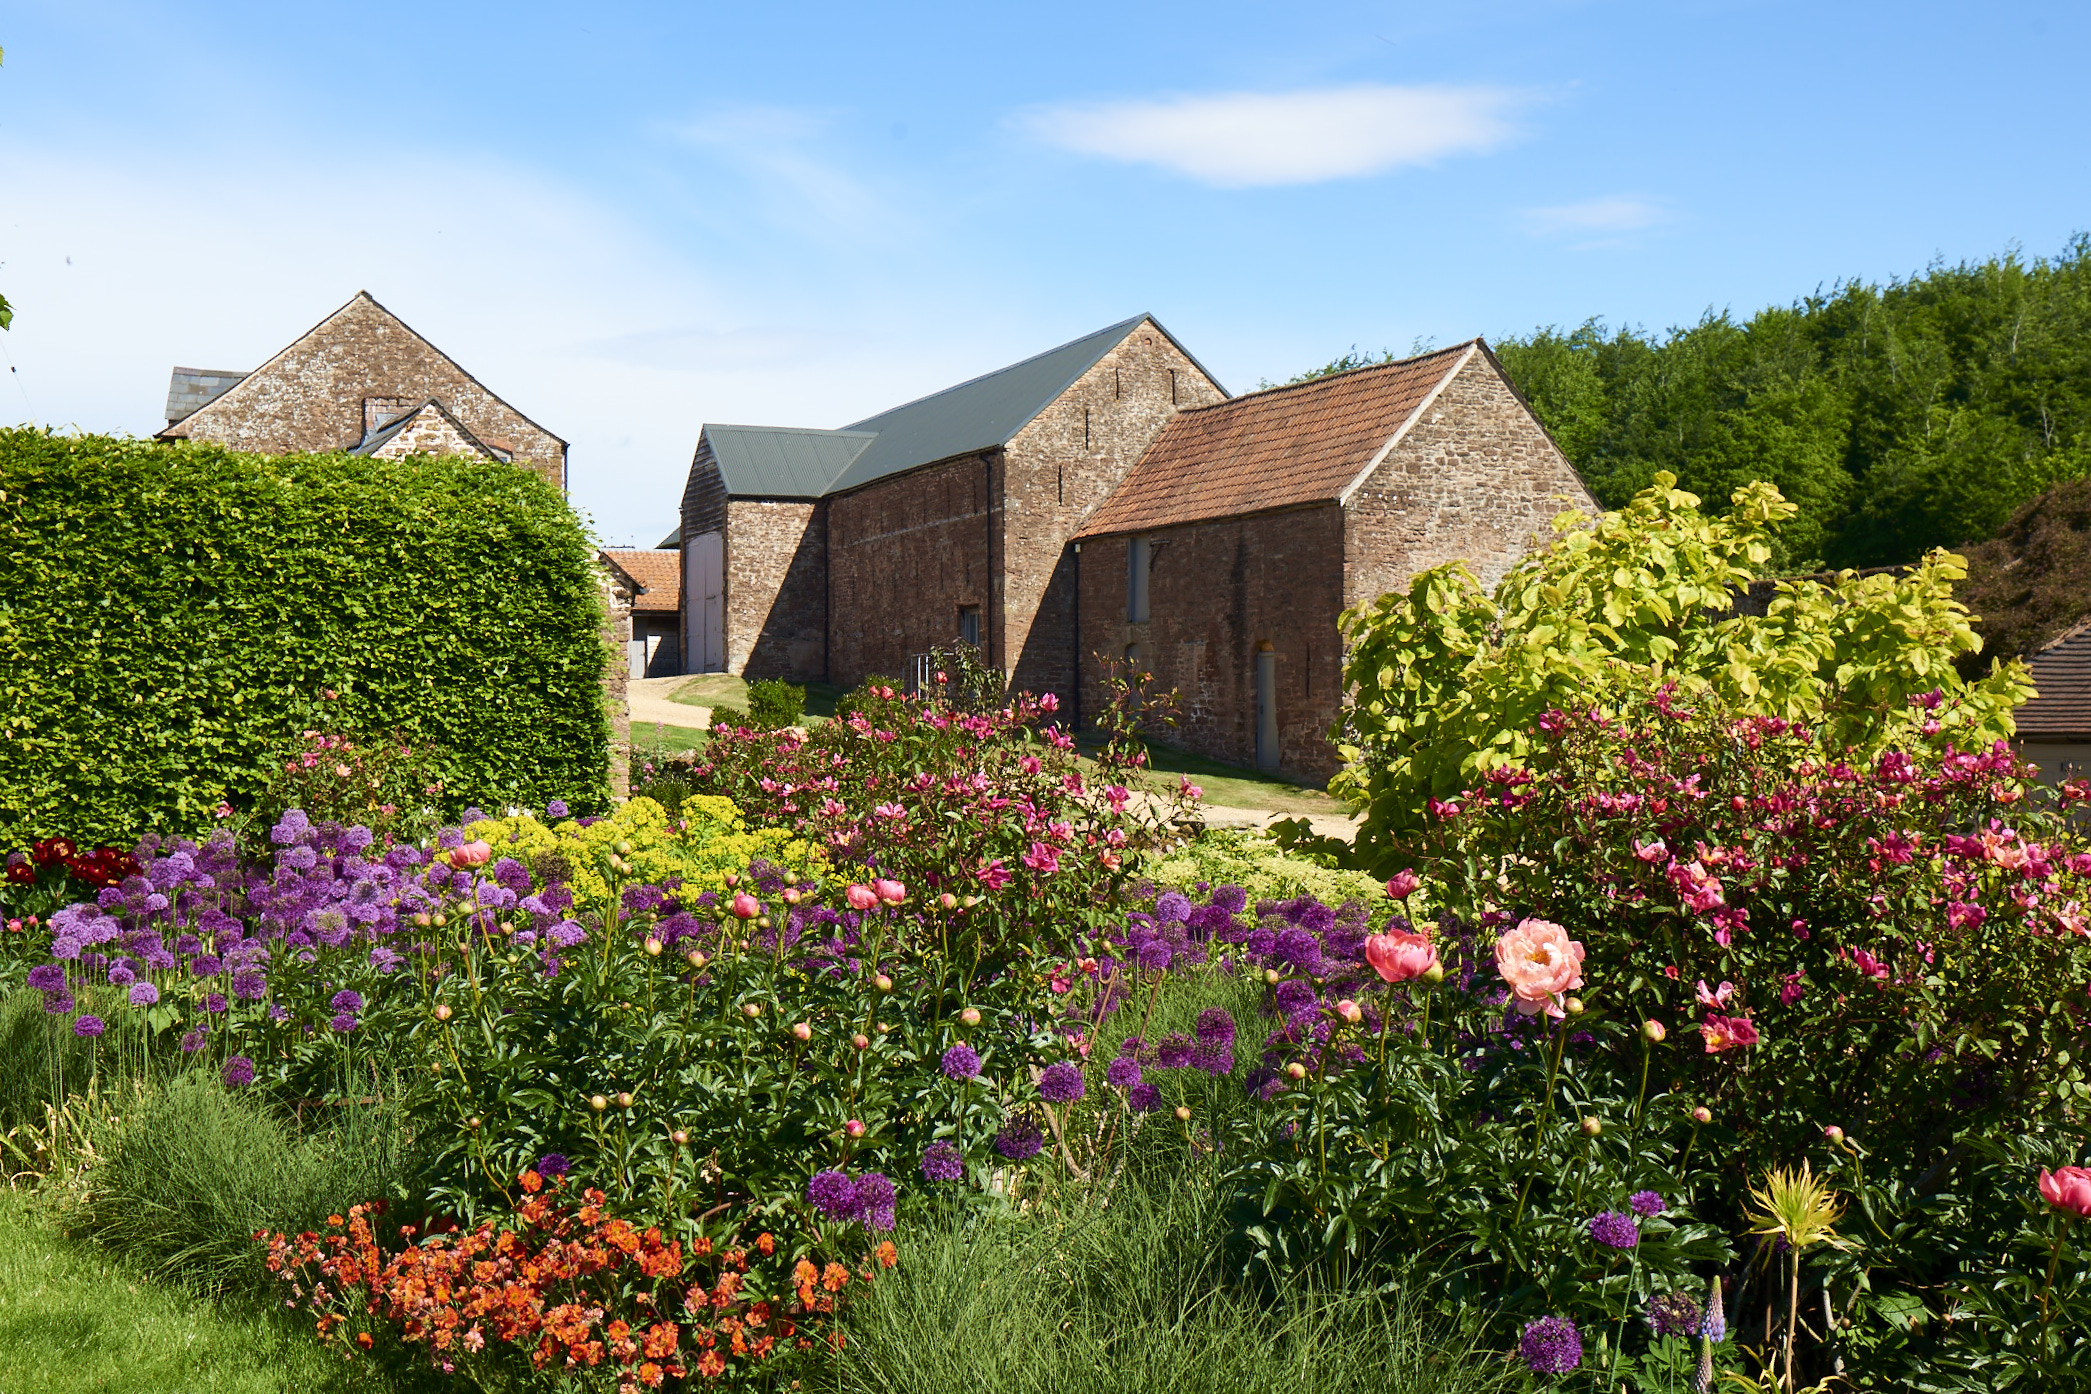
column 977, row 415
column 2062, row 673
column 191, row 389
column 784, row 462
column 1301, row 444
column 673, row 539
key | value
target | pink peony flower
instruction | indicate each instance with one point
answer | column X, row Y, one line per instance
column 1042, row 858
column 1048, row 703
column 892, row 892
column 2068, row 1188
column 1541, row 964
column 473, row 853
column 861, row 897
column 993, row 874
column 1398, row 956
column 1404, row 884
column 1651, row 851
column 1715, row 997
column 1727, row 1032
column 746, row 906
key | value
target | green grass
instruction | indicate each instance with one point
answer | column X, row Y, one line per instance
column 724, row 690
column 74, row 1319
column 1226, row 786
column 652, row 738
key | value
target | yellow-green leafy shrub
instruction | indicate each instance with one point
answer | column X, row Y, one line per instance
column 1227, row 857
column 701, row 846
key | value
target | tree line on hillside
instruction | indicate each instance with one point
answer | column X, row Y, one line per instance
column 1923, row 413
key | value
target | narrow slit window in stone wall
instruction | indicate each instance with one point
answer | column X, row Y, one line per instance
column 969, row 625
column 1136, row 581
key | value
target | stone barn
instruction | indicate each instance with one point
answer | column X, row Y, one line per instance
column 361, row 381
column 1222, row 561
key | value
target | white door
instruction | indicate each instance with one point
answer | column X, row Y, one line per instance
column 704, row 605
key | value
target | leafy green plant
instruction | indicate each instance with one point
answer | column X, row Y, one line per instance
column 173, row 612
column 774, row 703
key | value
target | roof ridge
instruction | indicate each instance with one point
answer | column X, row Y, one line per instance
column 800, row 430
column 2075, row 631
column 1125, row 324
column 1327, row 378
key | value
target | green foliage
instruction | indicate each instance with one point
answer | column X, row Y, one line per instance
column 1448, row 683
column 1899, row 418
column 1251, row 860
column 171, row 615
column 2033, row 579
column 774, row 704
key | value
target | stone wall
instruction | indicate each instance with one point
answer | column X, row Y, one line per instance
column 776, row 589
column 617, row 632
column 1057, row 469
column 429, row 433
column 1474, row 479
column 1216, row 591
column 311, row 395
column 904, row 555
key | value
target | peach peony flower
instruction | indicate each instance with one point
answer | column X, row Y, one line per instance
column 2068, row 1189
column 1398, row 956
column 861, row 897
column 1541, row 964
column 892, row 892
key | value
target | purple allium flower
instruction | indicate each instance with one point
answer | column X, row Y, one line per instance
column 206, row 965
column 1144, row 1098
column 1645, row 1203
column 1232, row 899
column 347, row 1000
column 961, row 1062
column 144, row 994
column 301, row 859
column 1213, row 1060
column 1155, row 955
column 1674, row 1314
column 1551, row 1346
column 278, row 1012
column 122, row 976
column 1122, row 1073
column 1295, row 995
column 1061, row 1084
column 384, row 959
column 833, row 1194
column 875, row 1196
column 553, row 1164
column 58, row 1003
column 471, row 816
column 1020, row 1140
column 1174, row 1051
column 47, row 977
column 942, row 1161
column 1172, row 907
column 88, row 1026
column 566, row 934
column 192, row 1040
column 1615, row 1228
column 556, row 809
column 249, row 984
column 1215, row 1027
column 344, row 1022
column 512, row 874
column 239, row 1072
column 215, row 1003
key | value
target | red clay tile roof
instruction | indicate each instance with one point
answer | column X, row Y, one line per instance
column 1306, row 443
column 2062, row 672
column 660, row 571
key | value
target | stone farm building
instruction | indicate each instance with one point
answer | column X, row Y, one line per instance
column 652, row 576
column 1108, row 498
column 360, row 381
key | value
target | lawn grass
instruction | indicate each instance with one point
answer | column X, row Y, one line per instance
column 724, row 690
column 1226, row 786
column 650, row 738
column 72, row 1319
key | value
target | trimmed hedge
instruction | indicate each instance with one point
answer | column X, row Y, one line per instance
column 171, row 616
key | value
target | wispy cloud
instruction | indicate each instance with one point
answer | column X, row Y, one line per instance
column 1619, row 213
column 1247, row 139
column 777, row 150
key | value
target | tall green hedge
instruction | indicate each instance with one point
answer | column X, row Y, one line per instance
column 172, row 614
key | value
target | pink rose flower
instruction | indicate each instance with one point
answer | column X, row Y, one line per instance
column 1541, row 964
column 1727, row 1032
column 1404, row 884
column 1398, row 956
column 861, row 897
column 2068, row 1188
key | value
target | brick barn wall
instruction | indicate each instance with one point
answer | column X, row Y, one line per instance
column 1057, row 470
column 310, row 396
column 1475, row 479
column 1214, row 591
column 776, row 589
column 903, row 555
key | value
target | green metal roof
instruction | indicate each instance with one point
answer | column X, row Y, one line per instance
column 782, row 462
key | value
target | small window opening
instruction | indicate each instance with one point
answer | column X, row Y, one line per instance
column 1137, row 555
column 969, row 625
column 1117, row 384
column 1085, row 428
column 1267, row 758
column 1060, row 472
column 1172, row 387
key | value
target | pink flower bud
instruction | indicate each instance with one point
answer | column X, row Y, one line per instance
column 1652, row 1031
column 1350, row 1011
column 860, row 1041
column 892, row 892
column 1404, row 884
column 970, row 1016
column 882, row 983
column 1591, row 1127
column 1295, row 1070
column 803, row 1030
column 948, row 901
column 861, row 897
column 855, row 1127
column 474, row 853
column 1834, row 1135
column 746, row 906
column 1702, row 1114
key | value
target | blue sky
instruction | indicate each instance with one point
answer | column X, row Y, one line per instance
column 631, row 219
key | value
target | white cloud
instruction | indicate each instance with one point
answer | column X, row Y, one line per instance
column 776, row 150
column 1616, row 214
column 1246, row 139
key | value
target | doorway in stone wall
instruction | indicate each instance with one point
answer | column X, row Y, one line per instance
column 1266, row 707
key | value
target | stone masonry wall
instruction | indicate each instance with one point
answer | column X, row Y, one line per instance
column 429, row 433
column 904, row 554
column 1476, row 479
column 1057, row 470
column 310, row 396
column 1215, row 591
column 617, row 632
column 776, row 589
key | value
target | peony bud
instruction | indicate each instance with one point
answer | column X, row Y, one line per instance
column 970, row 1016
column 598, row 1103
column 745, row 906
column 442, row 1011
column 751, row 1010
column 861, row 897
column 948, row 901
column 422, row 919
column 882, row 983
column 1652, row 1031
column 679, row 1138
column 1296, row 1070
column 624, row 1100
column 1834, row 1134
column 1271, row 976
column 1573, row 1006
column 860, row 1041
column 1702, row 1114
column 441, row 919
column 803, row 1030
column 855, row 1127
column 791, row 895
column 696, row 958
column 1183, row 1113
column 623, row 849
column 732, row 878
column 1350, row 1011
column 970, row 901
column 1434, row 974
column 653, row 947
column 473, row 1123
column 1403, row 885
column 892, row 892
column 1591, row 1127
